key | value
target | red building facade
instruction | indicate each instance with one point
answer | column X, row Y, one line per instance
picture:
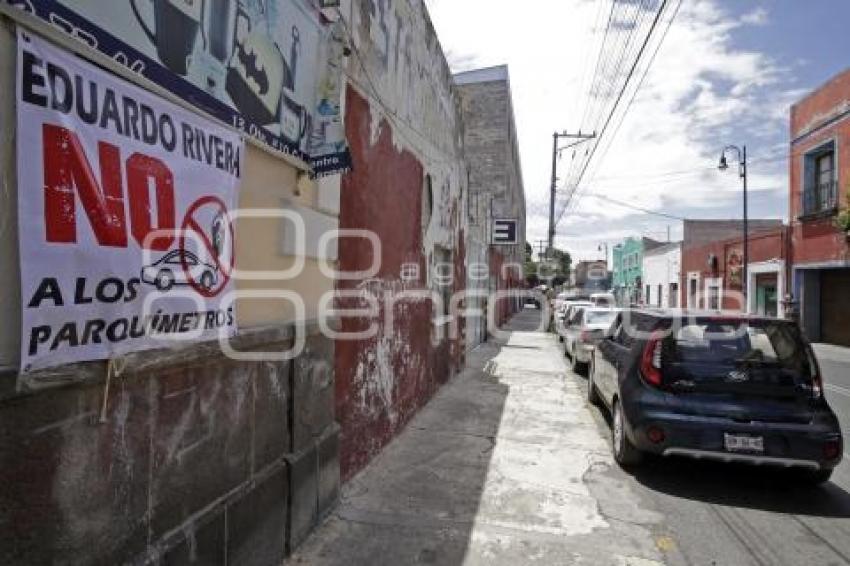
column 713, row 272
column 819, row 161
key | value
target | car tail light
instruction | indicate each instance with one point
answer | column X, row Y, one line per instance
column 655, row 434
column 650, row 363
column 817, row 386
column 817, row 381
column 831, row 449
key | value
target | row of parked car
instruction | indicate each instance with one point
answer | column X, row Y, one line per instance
column 705, row 385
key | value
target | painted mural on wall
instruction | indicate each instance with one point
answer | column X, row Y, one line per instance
column 270, row 69
column 734, row 267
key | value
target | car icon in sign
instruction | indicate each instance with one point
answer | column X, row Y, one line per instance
column 168, row 271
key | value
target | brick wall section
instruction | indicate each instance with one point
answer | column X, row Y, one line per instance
column 818, row 118
column 763, row 246
column 492, row 152
column 698, row 232
column 485, row 115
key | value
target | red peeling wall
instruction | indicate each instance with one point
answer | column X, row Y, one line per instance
column 383, row 380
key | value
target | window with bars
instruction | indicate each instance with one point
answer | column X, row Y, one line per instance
column 820, row 193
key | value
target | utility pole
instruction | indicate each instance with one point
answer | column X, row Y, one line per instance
column 745, row 282
column 541, row 249
column 553, row 187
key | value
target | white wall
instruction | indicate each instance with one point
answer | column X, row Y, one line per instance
column 662, row 268
column 776, row 266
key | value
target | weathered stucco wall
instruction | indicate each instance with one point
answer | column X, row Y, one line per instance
column 196, row 458
column 408, row 187
column 271, row 185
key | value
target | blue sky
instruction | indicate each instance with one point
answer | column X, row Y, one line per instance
column 812, row 33
column 726, row 73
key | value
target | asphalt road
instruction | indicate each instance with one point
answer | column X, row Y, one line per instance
column 739, row 515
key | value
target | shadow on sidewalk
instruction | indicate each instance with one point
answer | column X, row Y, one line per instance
column 416, row 503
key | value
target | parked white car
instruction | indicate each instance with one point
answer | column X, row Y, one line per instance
column 583, row 330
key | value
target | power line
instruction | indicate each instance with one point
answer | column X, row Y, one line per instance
column 620, row 95
column 659, row 177
column 609, row 74
column 637, row 89
column 640, row 82
column 595, row 77
column 635, row 207
column 599, row 57
column 586, row 67
column 656, row 19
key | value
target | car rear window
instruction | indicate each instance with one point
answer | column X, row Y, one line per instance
column 600, row 317
column 752, row 351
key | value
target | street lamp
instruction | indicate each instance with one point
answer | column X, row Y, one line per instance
column 600, row 247
column 742, row 173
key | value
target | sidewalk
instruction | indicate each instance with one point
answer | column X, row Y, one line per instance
column 832, row 352
column 504, row 466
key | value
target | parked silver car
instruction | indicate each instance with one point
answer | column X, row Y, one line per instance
column 564, row 313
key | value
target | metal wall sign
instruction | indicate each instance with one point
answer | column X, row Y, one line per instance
column 124, row 202
column 505, row 231
column 273, row 70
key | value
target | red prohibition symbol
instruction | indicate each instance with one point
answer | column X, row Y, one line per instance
column 210, row 277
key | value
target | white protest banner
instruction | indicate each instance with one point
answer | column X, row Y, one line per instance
column 124, row 203
column 274, row 70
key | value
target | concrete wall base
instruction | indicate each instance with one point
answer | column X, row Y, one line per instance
column 203, row 460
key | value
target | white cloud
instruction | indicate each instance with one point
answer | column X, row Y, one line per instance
column 702, row 93
column 757, row 17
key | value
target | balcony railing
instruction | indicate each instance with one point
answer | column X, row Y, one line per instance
column 820, row 198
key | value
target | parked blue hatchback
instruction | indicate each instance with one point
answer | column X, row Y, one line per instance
column 733, row 388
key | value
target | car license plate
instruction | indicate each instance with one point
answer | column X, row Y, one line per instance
column 743, row 443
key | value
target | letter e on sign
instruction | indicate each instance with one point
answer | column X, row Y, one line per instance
column 504, row 231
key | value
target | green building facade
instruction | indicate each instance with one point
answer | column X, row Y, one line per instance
column 628, row 269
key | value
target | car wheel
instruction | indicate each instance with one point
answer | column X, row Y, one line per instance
column 592, row 393
column 817, row 477
column 207, row 280
column 625, row 452
column 164, row 280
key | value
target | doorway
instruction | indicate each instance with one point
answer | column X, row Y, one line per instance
column 835, row 306
column 767, row 296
